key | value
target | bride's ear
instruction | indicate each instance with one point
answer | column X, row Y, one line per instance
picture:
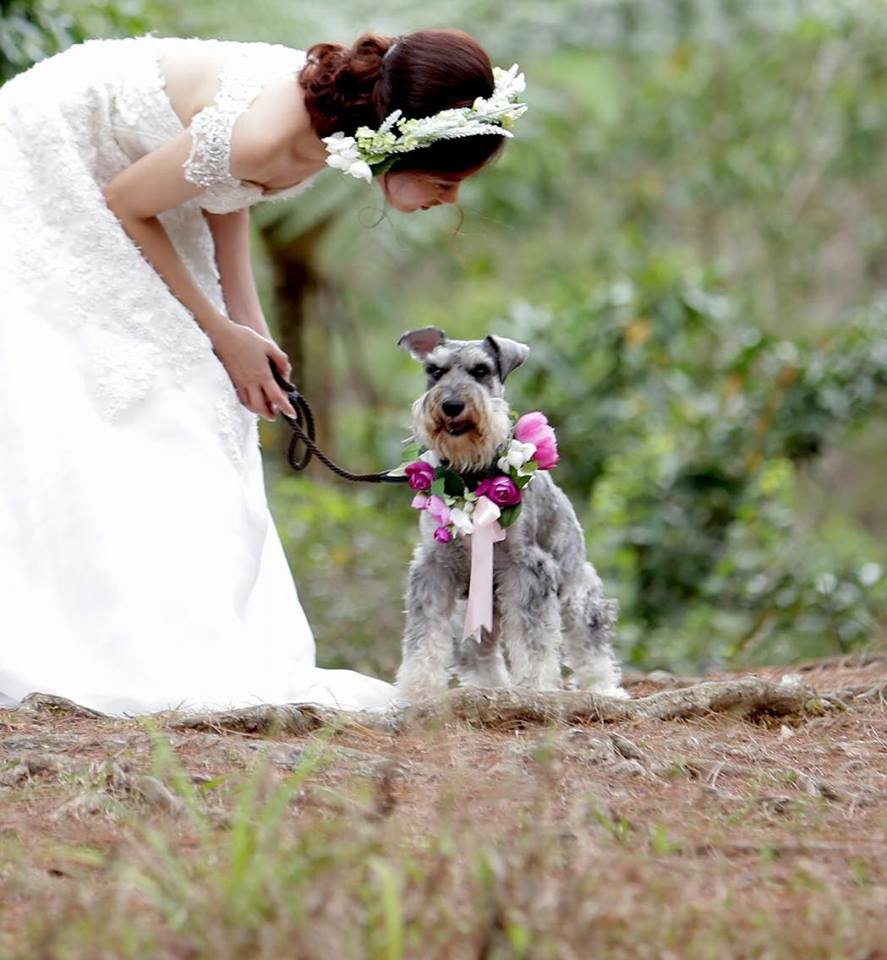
column 421, row 342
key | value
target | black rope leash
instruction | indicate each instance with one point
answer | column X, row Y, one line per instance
column 303, row 429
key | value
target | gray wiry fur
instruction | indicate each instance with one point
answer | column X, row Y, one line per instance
column 549, row 607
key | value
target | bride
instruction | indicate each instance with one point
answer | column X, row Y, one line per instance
column 140, row 568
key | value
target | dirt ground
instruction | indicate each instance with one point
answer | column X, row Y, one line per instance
column 775, row 815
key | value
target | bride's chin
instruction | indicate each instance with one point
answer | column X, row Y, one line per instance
column 405, row 208
column 396, row 204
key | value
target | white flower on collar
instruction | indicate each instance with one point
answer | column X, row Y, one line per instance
column 516, row 456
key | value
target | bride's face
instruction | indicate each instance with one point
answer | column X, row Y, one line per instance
column 419, row 191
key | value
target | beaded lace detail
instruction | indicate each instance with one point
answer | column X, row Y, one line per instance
column 208, row 163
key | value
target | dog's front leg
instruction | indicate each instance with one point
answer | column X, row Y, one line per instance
column 481, row 663
column 428, row 640
column 530, row 620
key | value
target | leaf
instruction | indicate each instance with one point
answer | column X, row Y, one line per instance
column 509, row 515
column 438, row 487
column 412, row 451
column 453, row 483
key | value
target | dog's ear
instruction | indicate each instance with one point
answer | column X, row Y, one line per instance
column 508, row 354
column 421, row 342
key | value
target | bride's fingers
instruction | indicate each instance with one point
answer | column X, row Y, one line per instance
column 282, row 362
column 276, row 400
column 255, row 402
column 282, row 370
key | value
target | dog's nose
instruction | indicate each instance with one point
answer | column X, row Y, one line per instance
column 452, row 408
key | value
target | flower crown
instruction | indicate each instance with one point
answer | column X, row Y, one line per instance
column 368, row 149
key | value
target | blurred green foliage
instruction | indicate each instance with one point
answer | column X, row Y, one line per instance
column 685, row 426
column 31, row 30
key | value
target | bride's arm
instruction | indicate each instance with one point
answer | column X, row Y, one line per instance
column 136, row 195
column 230, row 233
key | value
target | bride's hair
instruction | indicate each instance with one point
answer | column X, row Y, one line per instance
column 418, row 73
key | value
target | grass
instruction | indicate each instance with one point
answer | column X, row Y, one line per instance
column 453, row 843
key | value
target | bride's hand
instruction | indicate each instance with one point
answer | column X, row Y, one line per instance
column 245, row 355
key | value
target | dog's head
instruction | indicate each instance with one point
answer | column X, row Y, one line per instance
column 462, row 416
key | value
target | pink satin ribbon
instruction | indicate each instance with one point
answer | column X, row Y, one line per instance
column 487, row 531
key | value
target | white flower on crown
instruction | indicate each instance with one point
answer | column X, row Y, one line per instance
column 487, row 115
column 344, row 155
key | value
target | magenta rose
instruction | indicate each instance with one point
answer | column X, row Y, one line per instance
column 443, row 535
column 501, row 490
column 420, row 475
column 533, row 428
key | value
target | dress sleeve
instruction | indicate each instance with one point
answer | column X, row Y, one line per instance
column 208, row 163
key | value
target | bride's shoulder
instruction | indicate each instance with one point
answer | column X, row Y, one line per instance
column 193, row 68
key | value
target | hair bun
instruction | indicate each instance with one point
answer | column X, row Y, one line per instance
column 341, row 83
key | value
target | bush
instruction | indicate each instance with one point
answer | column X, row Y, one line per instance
column 685, row 429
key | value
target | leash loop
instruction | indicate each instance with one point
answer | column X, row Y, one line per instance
column 303, row 428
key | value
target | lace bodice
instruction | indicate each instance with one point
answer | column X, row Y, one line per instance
column 144, row 115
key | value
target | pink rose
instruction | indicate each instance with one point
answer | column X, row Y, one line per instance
column 420, row 501
column 420, row 475
column 438, row 510
column 533, row 428
column 443, row 535
column 501, row 490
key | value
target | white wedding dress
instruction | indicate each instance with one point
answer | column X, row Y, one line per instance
column 140, row 568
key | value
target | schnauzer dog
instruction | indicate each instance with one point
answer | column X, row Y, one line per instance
column 548, row 605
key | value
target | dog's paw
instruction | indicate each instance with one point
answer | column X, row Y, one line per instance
column 601, row 676
column 602, row 688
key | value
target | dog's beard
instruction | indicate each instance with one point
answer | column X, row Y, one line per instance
column 469, row 442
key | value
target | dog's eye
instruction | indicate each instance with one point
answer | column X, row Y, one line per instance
column 479, row 371
column 433, row 371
